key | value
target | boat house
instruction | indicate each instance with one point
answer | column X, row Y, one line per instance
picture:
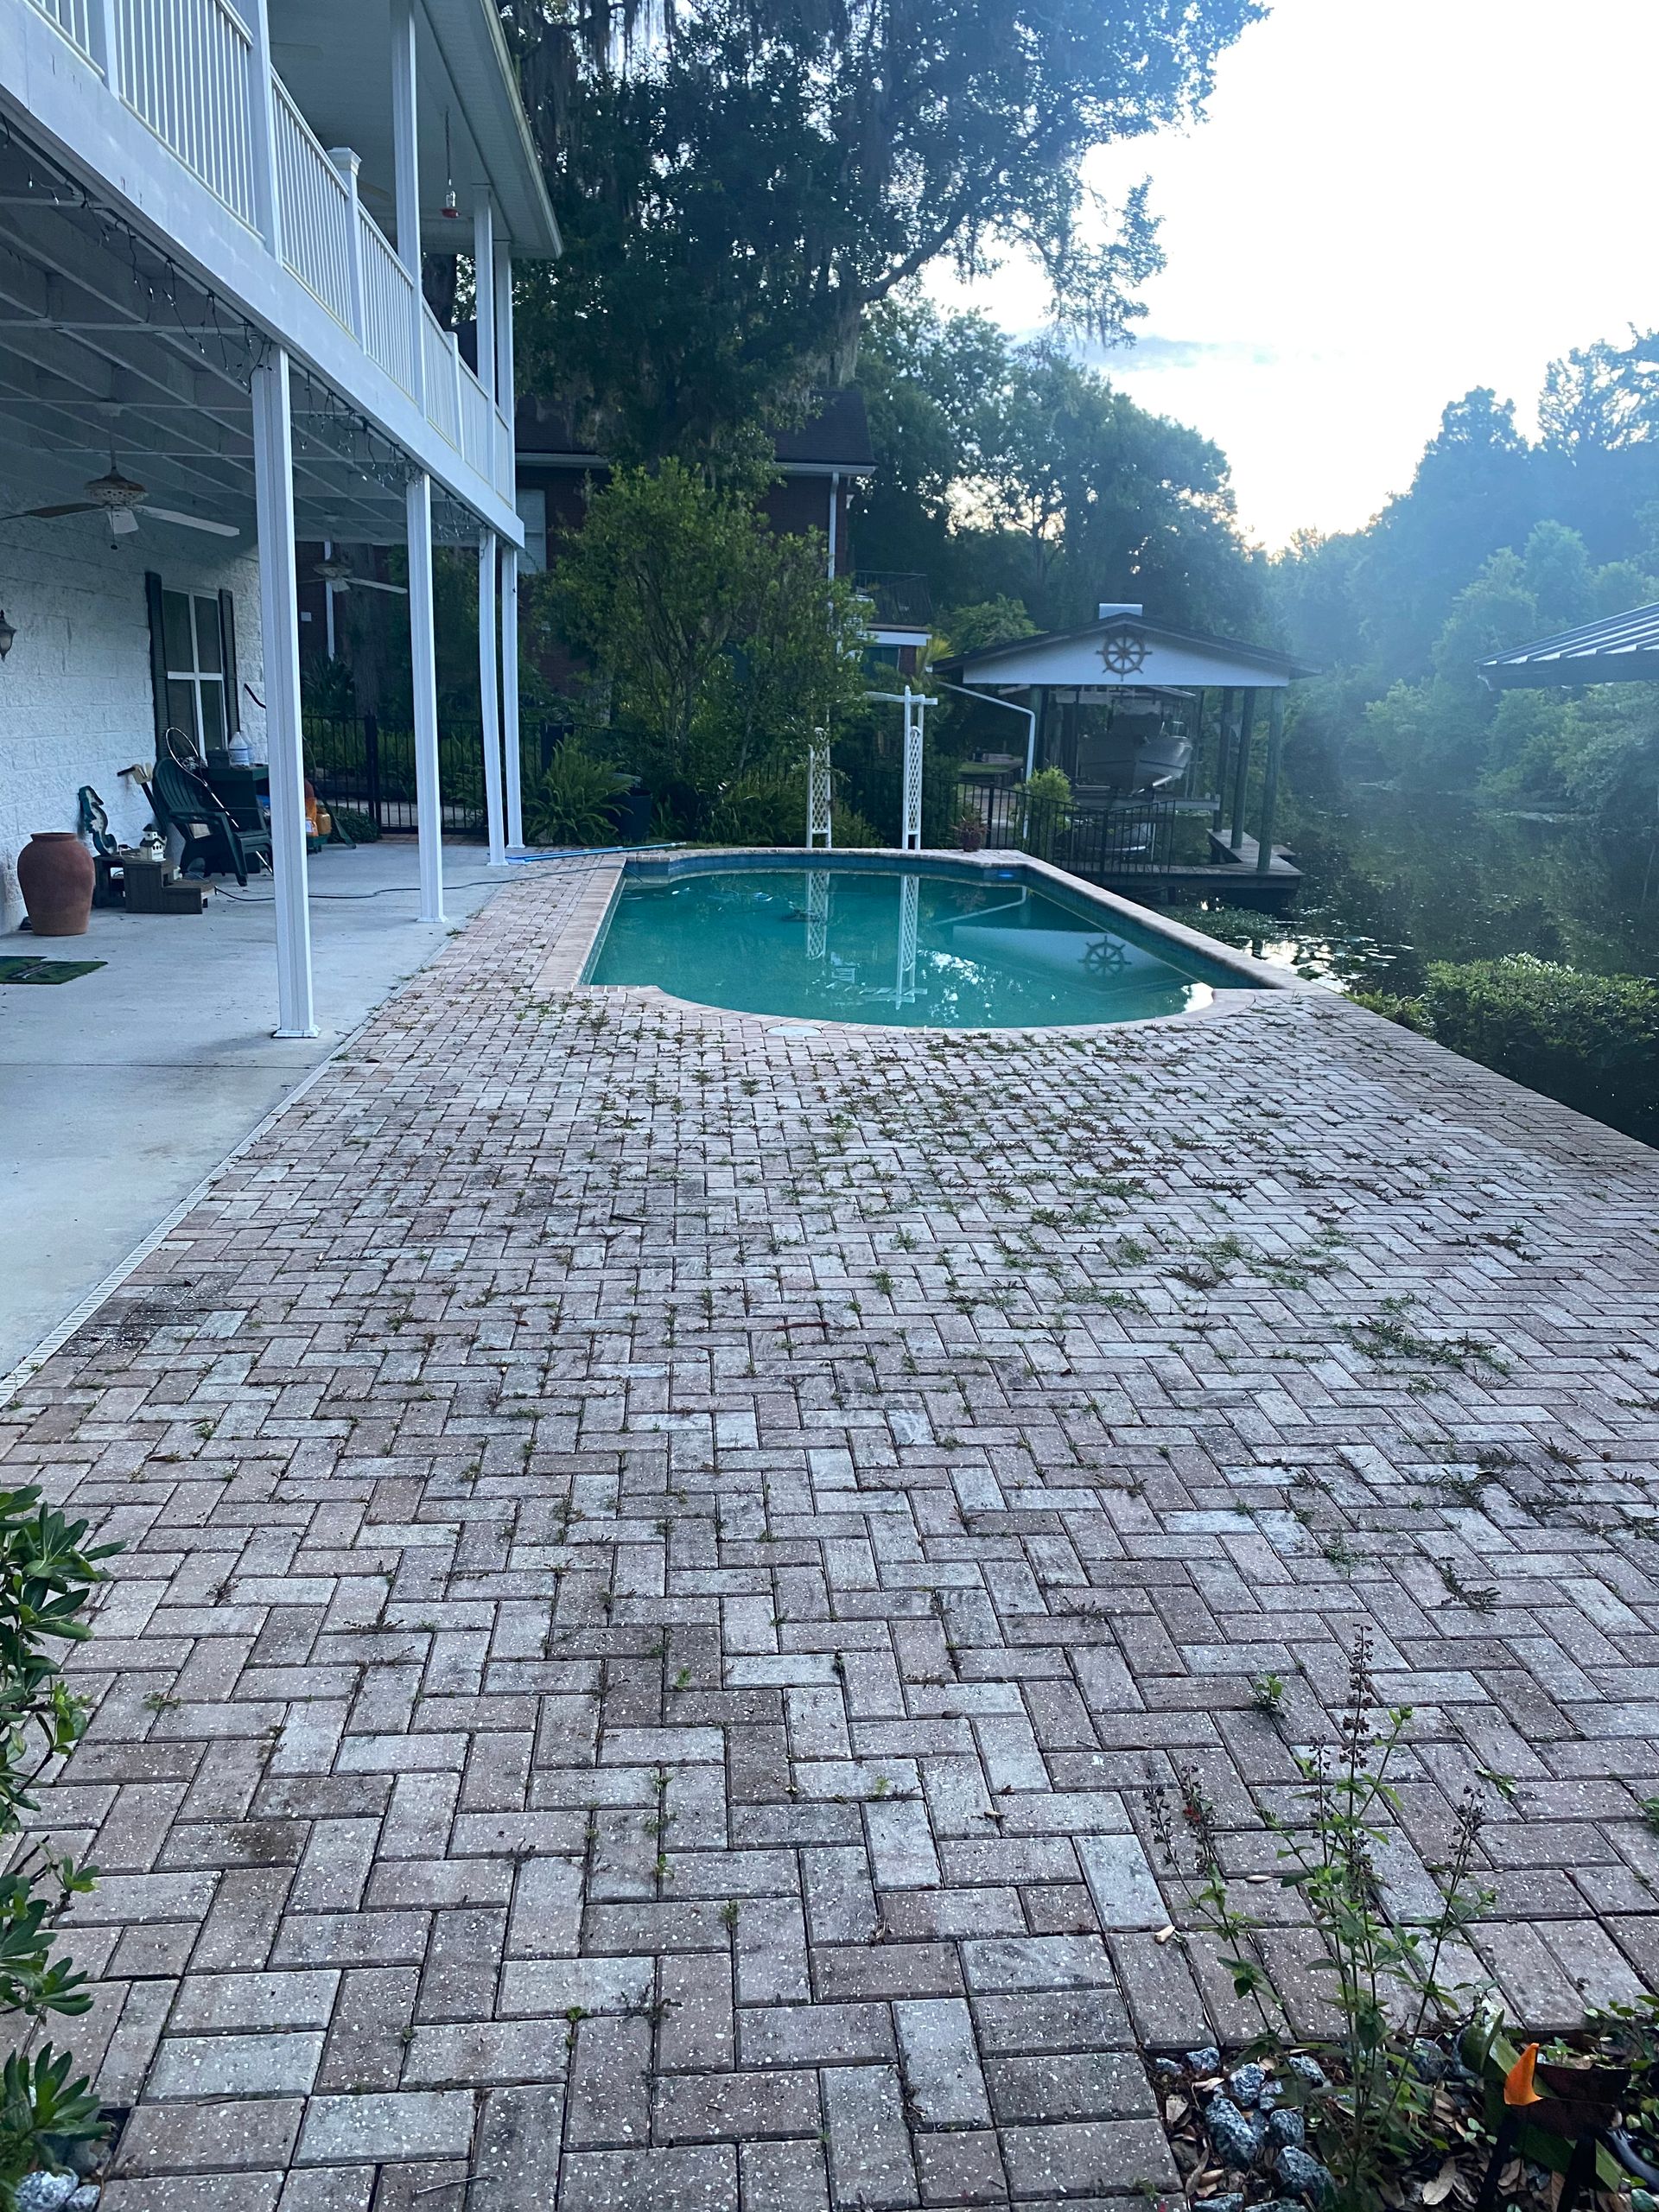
column 1152, row 727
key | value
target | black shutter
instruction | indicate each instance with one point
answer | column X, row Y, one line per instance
column 227, row 643
column 158, row 657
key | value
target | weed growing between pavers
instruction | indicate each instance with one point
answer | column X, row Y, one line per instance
column 1393, row 2103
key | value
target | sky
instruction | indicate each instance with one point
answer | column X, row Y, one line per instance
column 1389, row 201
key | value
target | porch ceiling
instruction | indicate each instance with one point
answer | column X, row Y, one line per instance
column 105, row 345
column 335, row 62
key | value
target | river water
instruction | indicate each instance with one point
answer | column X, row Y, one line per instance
column 1393, row 881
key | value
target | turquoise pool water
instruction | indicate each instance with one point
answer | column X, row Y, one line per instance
column 895, row 945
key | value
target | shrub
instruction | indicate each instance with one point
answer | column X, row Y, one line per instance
column 1591, row 1041
column 1410, row 1013
column 47, row 1575
column 573, row 801
column 766, row 807
column 1045, row 811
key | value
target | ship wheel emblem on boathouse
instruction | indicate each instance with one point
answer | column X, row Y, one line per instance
column 1123, row 652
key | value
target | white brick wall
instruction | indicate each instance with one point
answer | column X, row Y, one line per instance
column 75, row 703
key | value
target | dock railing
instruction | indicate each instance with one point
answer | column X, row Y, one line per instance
column 1135, row 837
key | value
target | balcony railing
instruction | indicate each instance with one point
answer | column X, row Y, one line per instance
column 188, row 69
column 388, row 320
column 185, row 68
column 317, row 206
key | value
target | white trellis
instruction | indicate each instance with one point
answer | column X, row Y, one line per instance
column 915, row 704
column 903, row 981
column 817, row 912
column 820, row 794
column 910, row 822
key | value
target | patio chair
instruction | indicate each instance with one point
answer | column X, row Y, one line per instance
column 210, row 835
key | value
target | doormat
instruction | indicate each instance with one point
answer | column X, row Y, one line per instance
column 47, row 971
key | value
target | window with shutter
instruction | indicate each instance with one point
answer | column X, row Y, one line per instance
column 192, row 666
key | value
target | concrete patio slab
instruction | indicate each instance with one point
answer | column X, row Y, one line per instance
column 665, row 1549
column 120, row 1090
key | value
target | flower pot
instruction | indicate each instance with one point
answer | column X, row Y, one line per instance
column 56, row 876
column 971, row 837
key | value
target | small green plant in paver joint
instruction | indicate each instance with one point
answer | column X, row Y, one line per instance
column 1650, row 1812
column 1268, row 1694
column 1480, row 1598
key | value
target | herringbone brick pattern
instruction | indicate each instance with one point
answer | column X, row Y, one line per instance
column 663, row 1550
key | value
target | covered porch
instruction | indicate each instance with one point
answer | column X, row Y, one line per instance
column 171, row 425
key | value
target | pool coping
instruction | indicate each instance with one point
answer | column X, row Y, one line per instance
column 566, row 964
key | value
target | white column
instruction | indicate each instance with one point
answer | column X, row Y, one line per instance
column 262, row 125
column 424, row 669
column 504, row 392
column 489, row 719
column 510, row 697
column 346, row 166
column 279, row 619
column 484, row 290
column 505, row 397
column 406, row 176
column 834, row 517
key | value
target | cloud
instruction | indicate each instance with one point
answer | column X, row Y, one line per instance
column 1153, row 352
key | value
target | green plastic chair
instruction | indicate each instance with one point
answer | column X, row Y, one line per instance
column 210, row 836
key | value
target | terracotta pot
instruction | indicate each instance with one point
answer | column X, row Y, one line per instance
column 56, row 876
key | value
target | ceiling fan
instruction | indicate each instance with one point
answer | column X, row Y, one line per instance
column 123, row 501
column 340, row 575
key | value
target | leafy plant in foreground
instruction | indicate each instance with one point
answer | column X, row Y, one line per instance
column 573, row 801
column 1381, row 1976
column 47, row 1574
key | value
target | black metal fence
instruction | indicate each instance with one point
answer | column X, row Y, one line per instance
column 1135, row 836
column 361, row 763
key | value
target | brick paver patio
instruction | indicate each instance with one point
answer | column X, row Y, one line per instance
column 663, row 1549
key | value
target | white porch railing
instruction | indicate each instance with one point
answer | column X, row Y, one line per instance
column 316, row 207
column 185, row 68
column 72, row 18
column 442, row 400
column 388, row 332
column 476, row 425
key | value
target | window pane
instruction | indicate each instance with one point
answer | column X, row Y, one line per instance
column 182, row 709
column 531, row 500
column 175, row 634
column 209, row 659
column 212, row 695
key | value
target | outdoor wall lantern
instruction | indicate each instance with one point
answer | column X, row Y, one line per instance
column 7, row 633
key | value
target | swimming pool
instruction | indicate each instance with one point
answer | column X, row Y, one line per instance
column 906, row 946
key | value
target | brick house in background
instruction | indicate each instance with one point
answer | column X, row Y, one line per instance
column 818, row 464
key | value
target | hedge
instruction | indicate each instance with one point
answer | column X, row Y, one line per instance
column 1591, row 1041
